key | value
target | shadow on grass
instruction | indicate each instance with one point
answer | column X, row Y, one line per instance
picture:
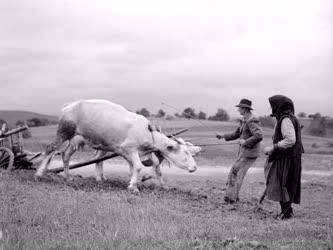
column 203, row 201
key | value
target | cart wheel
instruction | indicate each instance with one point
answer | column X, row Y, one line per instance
column 6, row 158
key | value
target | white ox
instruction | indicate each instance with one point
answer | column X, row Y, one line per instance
column 109, row 127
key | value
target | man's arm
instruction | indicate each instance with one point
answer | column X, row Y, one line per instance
column 230, row 136
column 257, row 134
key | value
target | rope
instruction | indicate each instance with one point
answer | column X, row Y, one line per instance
column 191, row 116
column 218, row 144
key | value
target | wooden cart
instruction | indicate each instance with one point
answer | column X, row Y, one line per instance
column 12, row 153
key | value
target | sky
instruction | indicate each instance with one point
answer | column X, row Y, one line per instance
column 184, row 53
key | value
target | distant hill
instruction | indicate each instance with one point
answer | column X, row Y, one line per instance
column 12, row 116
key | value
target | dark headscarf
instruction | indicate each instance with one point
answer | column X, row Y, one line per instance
column 281, row 105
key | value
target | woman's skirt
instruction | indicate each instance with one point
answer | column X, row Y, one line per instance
column 284, row 180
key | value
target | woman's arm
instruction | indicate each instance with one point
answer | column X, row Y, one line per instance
column 288, row 133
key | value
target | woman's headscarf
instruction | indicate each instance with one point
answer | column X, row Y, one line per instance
column 281, row 105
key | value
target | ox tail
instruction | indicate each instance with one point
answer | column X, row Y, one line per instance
column 44, row 165
column 51, row 150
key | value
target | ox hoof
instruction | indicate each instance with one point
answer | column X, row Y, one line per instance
column 133, row 190
column 37, row 177
column 69, row 178
column 101, row 179
column 165, row 187
column 146, row 178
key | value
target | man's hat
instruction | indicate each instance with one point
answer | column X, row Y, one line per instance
column 245, row 103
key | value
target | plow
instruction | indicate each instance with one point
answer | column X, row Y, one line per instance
column 14, row 156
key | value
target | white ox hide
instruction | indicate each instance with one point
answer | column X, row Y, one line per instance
column 109, row 127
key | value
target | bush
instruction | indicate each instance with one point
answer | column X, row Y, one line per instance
column 189, row 113
column 221, row 115
column 160, row 113
column 315, row 116
column 301, row 115
column 317, row 127
column 36, row 122
column 202, row 115
column 26, row 134
column 169, row 117
column 267, row 121
column 143, row 112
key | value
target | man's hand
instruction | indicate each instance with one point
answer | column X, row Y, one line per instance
column 219, row 136
column 268, row 150
column 242, row 142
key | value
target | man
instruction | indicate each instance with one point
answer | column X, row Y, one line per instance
column 283, row 182
column 3, row 129
column 250, row 134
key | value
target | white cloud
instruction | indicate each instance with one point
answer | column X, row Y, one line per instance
column 138, row 53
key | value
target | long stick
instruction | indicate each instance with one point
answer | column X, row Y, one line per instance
column 81, row 164
column 262, row 197
column 193, row 117
column 218, row 144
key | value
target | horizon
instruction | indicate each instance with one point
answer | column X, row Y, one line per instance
column 152, row 114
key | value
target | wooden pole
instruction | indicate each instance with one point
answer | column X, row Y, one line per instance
column 82, row 164
column 262, row 197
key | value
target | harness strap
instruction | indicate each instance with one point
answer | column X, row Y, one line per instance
column 151, row 130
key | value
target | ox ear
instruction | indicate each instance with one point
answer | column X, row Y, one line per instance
column 181, row 141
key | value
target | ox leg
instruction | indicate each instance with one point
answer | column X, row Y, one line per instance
column 136, row 165
column 66, row 155
column 158, row 174
column 154, row 162
column 156, row 170
column 99, row 167
column 157, row 159
column 147, row 176
column 66, row 130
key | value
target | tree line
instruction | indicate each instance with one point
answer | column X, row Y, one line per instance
column 189, row 113
column 32, row 122
column 319, row 124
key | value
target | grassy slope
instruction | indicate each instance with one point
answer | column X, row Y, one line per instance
column 83, row 214
column 12, row 116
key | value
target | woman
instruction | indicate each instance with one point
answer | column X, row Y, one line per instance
column 283, row 182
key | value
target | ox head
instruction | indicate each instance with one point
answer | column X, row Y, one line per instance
column 176, row 152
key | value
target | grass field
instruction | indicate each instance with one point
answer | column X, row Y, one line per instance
column 191, row 214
